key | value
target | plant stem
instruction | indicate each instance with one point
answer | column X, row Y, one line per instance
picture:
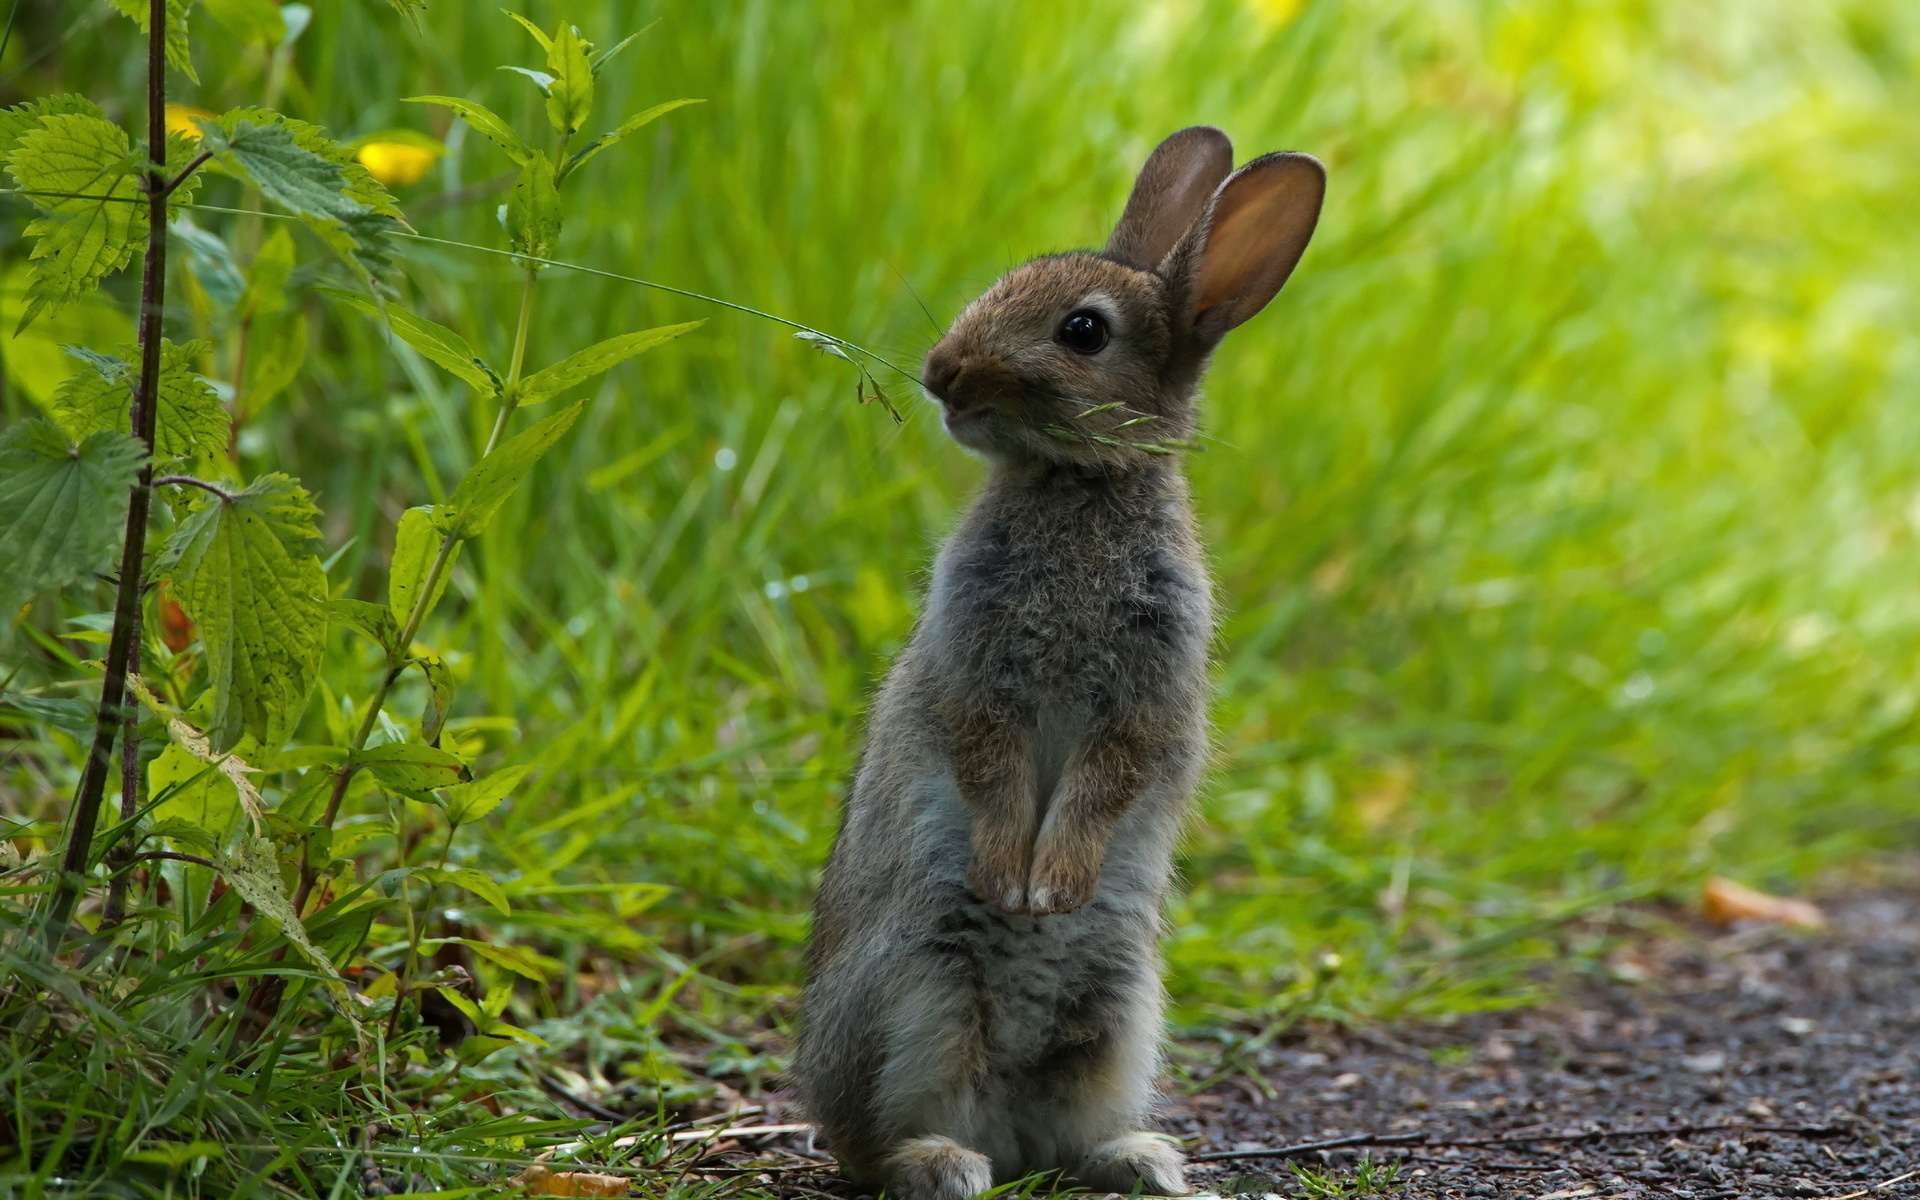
column 126, row 609
column 267, row 998
column 121, row 857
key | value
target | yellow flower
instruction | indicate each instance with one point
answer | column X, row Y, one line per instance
column 396, row 164
column 180, row 120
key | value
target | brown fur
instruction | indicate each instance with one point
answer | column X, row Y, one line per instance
column 984, row 996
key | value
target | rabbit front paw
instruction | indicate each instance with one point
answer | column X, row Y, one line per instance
column 1060, row 885
column 1002, row 885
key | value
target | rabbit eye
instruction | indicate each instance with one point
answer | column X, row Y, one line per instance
column 1085, row 332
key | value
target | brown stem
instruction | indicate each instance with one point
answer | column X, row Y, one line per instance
column 126, row 609
column 121, row 856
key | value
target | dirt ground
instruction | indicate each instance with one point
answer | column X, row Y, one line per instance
column 1704, row 1066
column 1762, row 1062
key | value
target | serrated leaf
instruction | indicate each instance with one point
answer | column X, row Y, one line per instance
column 636, row 122
column 246, row 571
column 297, row 166
column 466, row 803
column 597, row 359
column 178, row 54
column 468, row 879
column 570, row 97
column 485, row 122
column 494, row 478
column 61, row 506
column 99, row 395
column 414, row 766
column 435, row 342
column 81, row 172
column 371, row 619
column 17, row 120
column 415, row 544
column 533, row 209
column 439, row 696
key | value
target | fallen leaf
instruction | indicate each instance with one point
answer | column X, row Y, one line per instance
column 1585, row 1189
column 1727, row 902
column 539, row 1181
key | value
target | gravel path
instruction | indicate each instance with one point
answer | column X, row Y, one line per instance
column 1771, row 1063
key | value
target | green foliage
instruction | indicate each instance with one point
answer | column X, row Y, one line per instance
column 295, row 165
column 494, row 478
column 244, row 566
column 416, row 543
column 99, row 395
column 533, row 209
column 140, row 12
column 438, row 344
column 80, row 170
column 1516, row 615
column 594, row 361
column 60, row 505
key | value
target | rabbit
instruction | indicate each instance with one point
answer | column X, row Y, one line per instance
column 983, row 998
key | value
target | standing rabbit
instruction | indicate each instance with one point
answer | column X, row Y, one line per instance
column 984, row 998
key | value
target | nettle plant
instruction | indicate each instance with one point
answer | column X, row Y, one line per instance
column 221, row 598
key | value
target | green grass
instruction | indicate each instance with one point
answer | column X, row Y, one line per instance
column 1563, row 506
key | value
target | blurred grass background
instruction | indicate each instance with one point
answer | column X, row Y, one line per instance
column 1563, row 505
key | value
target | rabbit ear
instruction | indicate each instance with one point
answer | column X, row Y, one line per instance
column 1236, row 259
column 1171, row 193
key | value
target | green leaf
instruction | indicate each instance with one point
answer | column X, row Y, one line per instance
column 414, row 766
column 594, row 360
column 539, row 34
column 16, row 121
column 533, row 209
column 188, row 835
column 246, row 570
column 176, row 16
column 435, row 342
column 201, row 796
column 415, row 544
column 211, row 261
column 465, row 803
column 371, row 619
column 485, row 122
column 570, row 98
column 467, row 878
column 61, row 506
column 297, row 166
column 252, row 22
column 439, row 696
column 84, row 176
column 494, row 478
column 625, row 128
column 100, row 396
column 177, row 1154
column 254, row 871
column 536, row 967
column 410, row 9
column 268, row 277
column 276, row 350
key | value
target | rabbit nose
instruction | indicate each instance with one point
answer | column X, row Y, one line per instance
column 941, row 372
